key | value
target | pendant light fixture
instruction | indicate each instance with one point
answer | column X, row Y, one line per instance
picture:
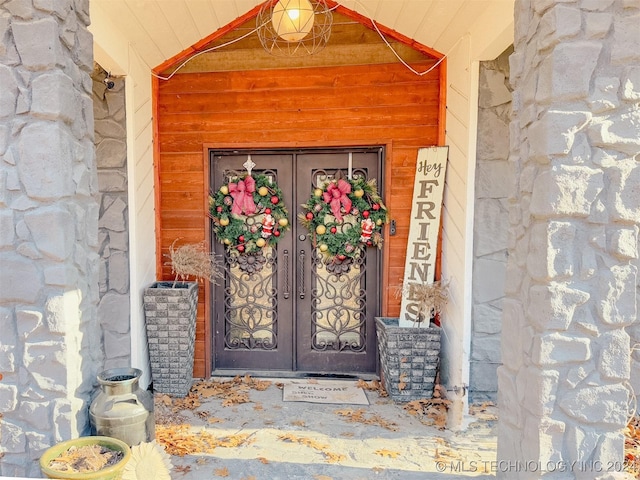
column 294, row 28
column 292, row 19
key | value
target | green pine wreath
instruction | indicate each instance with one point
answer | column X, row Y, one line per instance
column 343, row 238
column 247, row 233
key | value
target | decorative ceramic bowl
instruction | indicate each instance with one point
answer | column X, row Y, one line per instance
column 112, row 472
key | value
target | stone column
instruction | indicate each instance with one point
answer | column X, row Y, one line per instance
column 575, row 209
column 50, row 337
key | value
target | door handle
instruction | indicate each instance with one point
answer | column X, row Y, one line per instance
column 301, row 291
column 285, row 254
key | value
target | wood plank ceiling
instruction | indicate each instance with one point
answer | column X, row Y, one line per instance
column 160, row 29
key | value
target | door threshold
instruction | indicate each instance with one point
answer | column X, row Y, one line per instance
column 227, row 373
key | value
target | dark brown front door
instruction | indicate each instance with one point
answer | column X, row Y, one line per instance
column 293, row 313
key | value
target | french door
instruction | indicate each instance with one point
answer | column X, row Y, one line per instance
column 288, row 309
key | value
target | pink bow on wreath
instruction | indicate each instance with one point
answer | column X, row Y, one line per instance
column 242, row 193
column 336, row 196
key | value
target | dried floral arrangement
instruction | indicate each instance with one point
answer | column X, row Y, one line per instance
column 85, row 459
column 431, row 298
column 193, row 260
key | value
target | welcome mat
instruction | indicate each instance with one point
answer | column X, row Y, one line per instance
column 324, row 391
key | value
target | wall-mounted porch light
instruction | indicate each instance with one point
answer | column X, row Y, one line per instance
column 294, row 28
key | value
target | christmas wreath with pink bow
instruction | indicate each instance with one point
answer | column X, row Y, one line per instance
column 343, row 217
column 248, row 213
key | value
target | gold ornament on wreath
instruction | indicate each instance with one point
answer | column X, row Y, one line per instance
column 249, row 215
column 344, row 216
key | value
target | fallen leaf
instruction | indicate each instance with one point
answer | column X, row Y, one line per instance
column 233, row 392
column 632, row 447
column 208, row 393
column 309, row 442
column 180, row 440
column 258, row 407
column 439, row 391
column 347, row 412
column 263, row 460
column 298, row 423
column 358, row 416
column 235, row 399
column 190, row 402
column 373, row 386
column 431, row 411
column 232, row 441
column 214, row 420
column 164, row 412
column 332, row 457
column 221, row 472
column 402, row 384
column 387, row 453
column 363, row 384
column 202, row 461
column 322, row 477
column 183, row 469
column 259, row 385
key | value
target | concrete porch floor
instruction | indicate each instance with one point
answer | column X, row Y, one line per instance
column 295, row 440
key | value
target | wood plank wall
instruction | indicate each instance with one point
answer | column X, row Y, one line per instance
column 331, row 106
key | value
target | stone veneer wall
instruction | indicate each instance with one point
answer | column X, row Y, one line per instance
column 49, row 342
column 573, row 245
column 491, row 224
column 113, row 234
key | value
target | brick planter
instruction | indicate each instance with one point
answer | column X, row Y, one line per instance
column 409, row 356
column 170, row 317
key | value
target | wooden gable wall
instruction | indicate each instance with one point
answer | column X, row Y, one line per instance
column 308, row 107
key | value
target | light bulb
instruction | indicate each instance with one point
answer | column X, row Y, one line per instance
column 293, row 14
column 298, row 21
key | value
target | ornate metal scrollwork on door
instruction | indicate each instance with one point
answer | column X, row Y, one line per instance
column 251, row 318
column 250, row 291
column 338, row 317
column 338, row 306
column 251, row 262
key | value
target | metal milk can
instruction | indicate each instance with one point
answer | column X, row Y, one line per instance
column 122, row 409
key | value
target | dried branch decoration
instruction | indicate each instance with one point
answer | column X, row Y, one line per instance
column 431, row 298
column 193, row 260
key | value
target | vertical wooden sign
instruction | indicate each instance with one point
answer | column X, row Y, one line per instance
column 426, row 210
